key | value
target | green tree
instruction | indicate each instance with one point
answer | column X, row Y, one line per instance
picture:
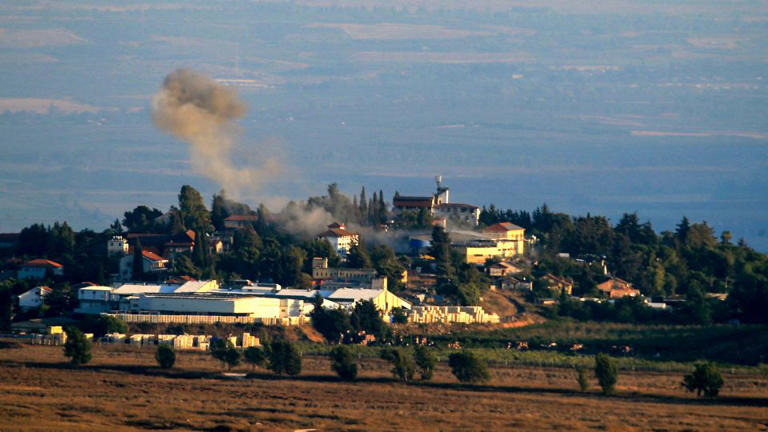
column 343, row 363
column 399, row 315
column 255, row 356
column 77, row 347
column 7, row 303
column 223, row 351
column 358, row 256
column 426, row 361
column 705, row 378
column 219, row 210
column 165, row 356
column 137, row 272
column 331, row 323
column 101, row 325
column 141, row 219
column 194, row 213
column 365, row 317
column 284, row 358
column 605, row 372
column 467, row 367
column 582, row 379
column 403, row 365
column 60, row 301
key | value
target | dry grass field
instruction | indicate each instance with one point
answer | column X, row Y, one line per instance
column 121, row 389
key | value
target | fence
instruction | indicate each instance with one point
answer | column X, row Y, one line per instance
column 207, row 319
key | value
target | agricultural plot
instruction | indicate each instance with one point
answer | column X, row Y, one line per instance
column 122, row 389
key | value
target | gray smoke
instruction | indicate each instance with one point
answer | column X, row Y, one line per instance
column 202, row 112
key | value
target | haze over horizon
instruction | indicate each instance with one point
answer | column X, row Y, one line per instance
column 607, row 109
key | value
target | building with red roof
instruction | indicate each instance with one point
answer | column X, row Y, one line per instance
column 39, row 268
column 341, row 239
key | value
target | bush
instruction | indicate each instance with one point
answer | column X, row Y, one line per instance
column 468, row 368
column 704, row 379
column 255, row 356
column 426, row 361
column 403, row 366
column 284, row 358
column 343, row 363
column 582, row 378
column 605, row 372
column 223, row 351
column 77, row 347
column 165, row 356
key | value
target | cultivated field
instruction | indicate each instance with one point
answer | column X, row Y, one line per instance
column 121, row 389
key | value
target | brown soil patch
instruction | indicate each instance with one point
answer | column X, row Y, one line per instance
column 121, row 389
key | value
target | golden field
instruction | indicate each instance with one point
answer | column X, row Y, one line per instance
column 122, row 389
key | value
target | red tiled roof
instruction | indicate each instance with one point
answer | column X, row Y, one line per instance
column 152, row 256
column 40, row 262
column 502, row 227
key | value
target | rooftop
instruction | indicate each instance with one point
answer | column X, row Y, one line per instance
column 503, row 227
column 41, row 262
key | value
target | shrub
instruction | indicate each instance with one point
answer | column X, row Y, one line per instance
column 103, row 324
column 284, row 358
column 77, row 347
column 223, row 351
column 605, row 372
column 165, row 356
column 343, row 363
column 255, row 356
column 582, row 378
column 705, row 378
column 468, row 368
column 426, row 361
column 403, row 366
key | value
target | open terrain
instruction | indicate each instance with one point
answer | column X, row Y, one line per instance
column 121, row 389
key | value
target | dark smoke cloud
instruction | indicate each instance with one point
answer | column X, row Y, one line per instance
column 202, row 112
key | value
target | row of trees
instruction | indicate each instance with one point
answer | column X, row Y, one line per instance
column 283, row 357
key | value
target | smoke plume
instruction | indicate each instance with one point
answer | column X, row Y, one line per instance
column 202, row 112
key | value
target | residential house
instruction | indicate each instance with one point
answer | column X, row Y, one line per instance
column 33, row 298
column 236, row 222
column 558, row 284
column 617, row 288
column 151, row 263
column 503, row 268
column 341, row 239
column 38, row 268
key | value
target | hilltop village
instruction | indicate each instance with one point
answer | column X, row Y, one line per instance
column 421, row 259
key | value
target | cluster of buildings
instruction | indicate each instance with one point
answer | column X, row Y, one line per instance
column 438, row 206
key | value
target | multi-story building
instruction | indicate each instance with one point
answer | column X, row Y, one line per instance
column 341, row 239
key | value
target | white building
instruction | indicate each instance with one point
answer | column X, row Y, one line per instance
column 466, row 214
column 96, row 299
column 33, row 298
column 117, row 245
column 341, row 239
column 38, row 268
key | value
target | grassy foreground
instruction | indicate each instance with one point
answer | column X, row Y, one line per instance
column 121, row 389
